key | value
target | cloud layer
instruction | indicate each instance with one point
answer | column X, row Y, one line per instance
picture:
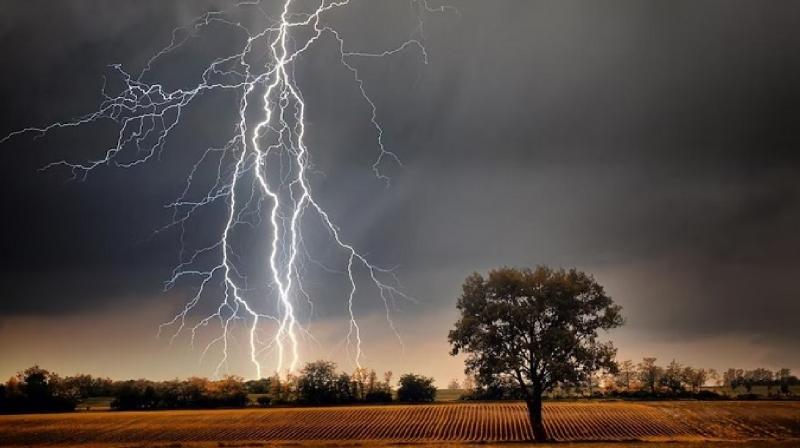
column 654, row 144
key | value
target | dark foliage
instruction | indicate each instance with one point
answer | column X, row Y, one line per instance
column 378, row 396
column 317, row 383
column 416, row 389
column 36, row 390
column 779, row 381
column 260, row 386
column 497, row 387
column 187, row 394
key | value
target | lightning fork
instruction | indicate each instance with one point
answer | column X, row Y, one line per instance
column 269, row 157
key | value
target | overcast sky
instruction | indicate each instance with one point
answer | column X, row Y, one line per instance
column 652, row 144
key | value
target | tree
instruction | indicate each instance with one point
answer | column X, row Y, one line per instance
column 538, row 327
column 416, row 388
column 454, row 384
column 37, row 390
column 695, row 378
column 359, row 383
column 714, row 377
column 733, row 378
column 259, row 386
column 36, row 384
column 650, row 374
column 230, row 391
column 672, row 379
column 379, row 391
column 626, row 373
column 283, row 391
column 372, row 382
column 749, row 380
column 317, row 383
column 784, row 378
column 344, row 389
column 763, row 377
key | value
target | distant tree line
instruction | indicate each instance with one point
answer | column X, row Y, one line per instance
column 678, row 380
column 230, row 391
column 779, row 381
column 318, row 383
column 649, row 380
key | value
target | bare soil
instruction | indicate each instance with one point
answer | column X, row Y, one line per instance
column 691, row 424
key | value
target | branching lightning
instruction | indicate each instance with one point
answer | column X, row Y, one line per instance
column 262, row 171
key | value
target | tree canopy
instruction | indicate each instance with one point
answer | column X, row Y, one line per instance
column 538, row 327
column 416, row 389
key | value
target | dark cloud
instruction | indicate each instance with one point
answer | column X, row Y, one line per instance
column 652, row 142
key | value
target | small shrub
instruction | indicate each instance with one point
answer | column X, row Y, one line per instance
column 708, row 395
column 378, row 396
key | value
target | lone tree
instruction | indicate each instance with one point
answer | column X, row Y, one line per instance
column 539, row 327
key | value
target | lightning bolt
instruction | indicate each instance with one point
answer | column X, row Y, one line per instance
column 261, row 171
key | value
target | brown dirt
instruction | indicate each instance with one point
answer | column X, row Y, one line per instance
column 416, row 424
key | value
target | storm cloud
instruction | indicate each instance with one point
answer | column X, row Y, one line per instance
column 654, row 144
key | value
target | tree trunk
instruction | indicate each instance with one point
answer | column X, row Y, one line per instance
column 535, row 416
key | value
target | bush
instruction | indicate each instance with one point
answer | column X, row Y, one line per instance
column 378, row 396
column 263, row 400
column 708, row 395
column 416, row 389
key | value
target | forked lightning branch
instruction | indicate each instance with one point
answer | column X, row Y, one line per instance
column 262, row 169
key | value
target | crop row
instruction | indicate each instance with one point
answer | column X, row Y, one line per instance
column 492, row 422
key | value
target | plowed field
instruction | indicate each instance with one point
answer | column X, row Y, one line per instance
column 460, row 422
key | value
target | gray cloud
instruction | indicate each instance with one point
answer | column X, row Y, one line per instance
column 655, row 143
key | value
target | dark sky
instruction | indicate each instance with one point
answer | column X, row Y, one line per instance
column 654, row 144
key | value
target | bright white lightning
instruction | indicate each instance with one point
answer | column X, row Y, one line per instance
column 147, row 113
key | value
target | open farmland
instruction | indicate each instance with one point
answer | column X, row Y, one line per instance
column 435, row 423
